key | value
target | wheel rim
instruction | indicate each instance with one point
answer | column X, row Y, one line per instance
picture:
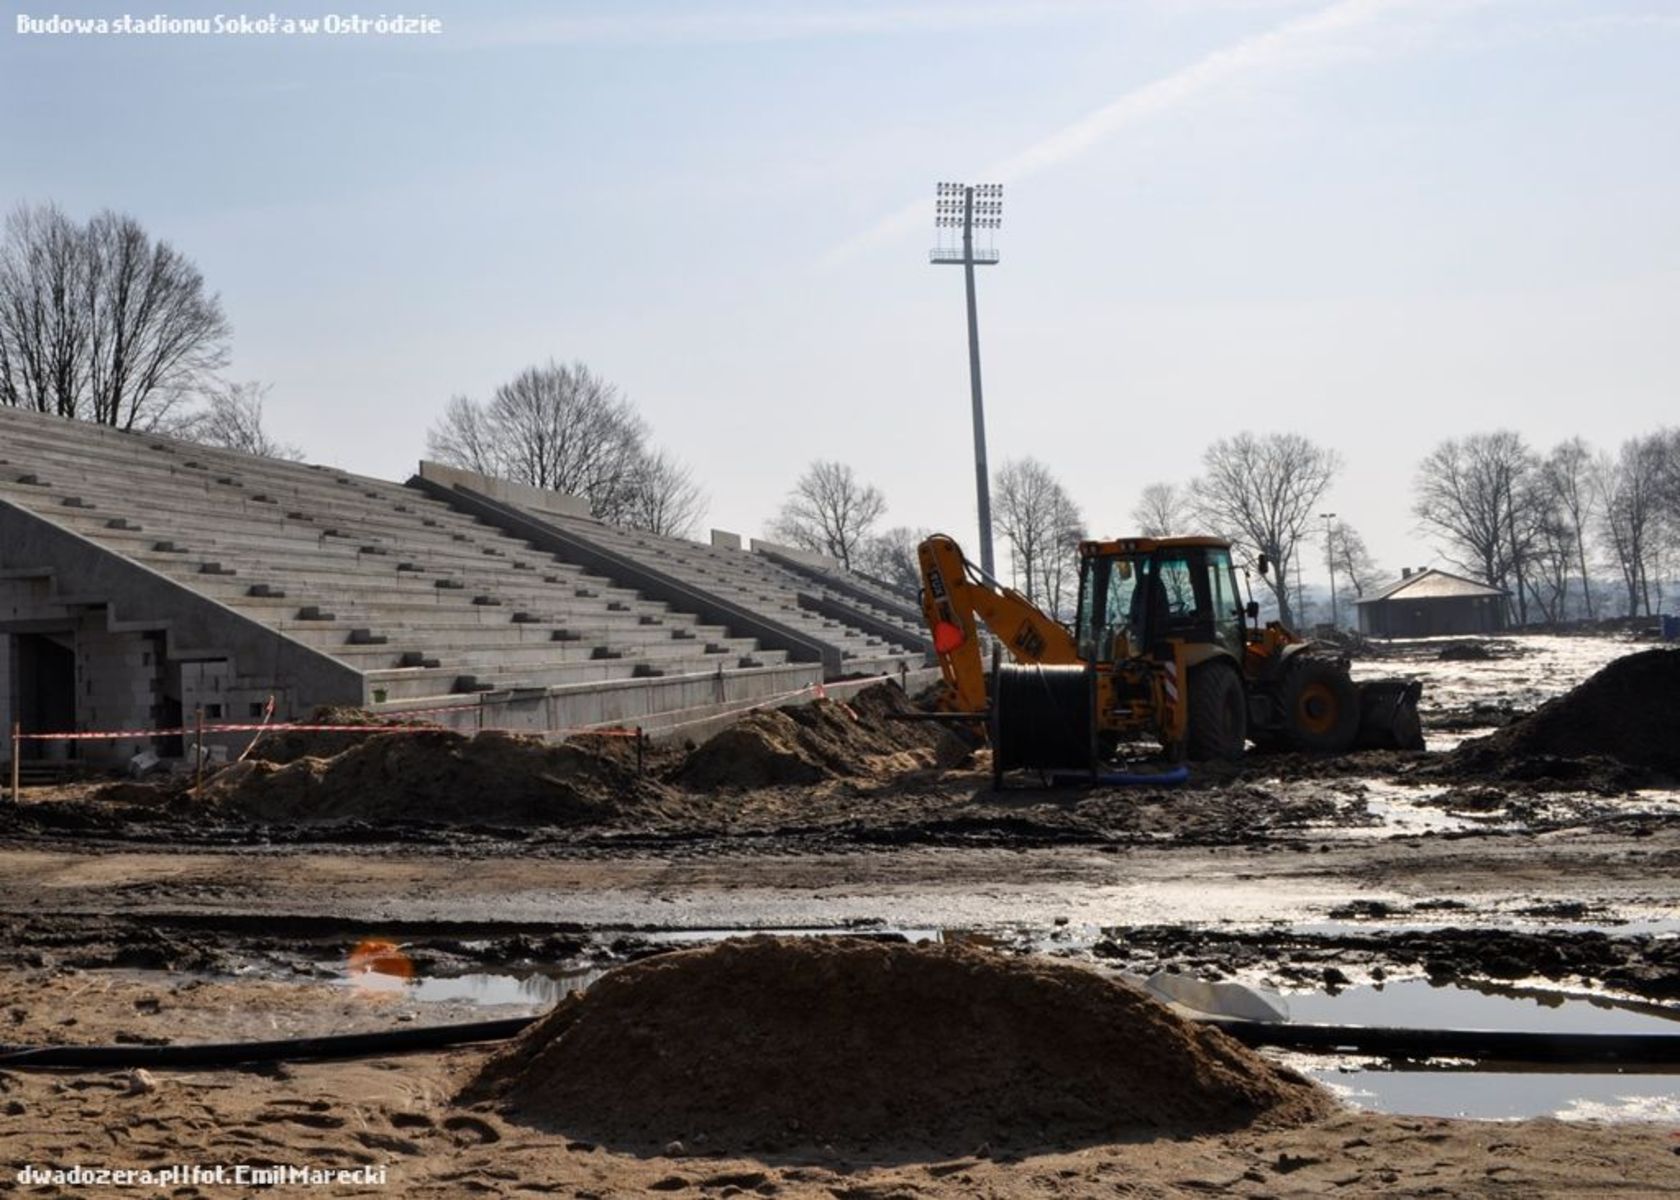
column 1316, row 709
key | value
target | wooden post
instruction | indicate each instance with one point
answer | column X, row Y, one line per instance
column 17, row 753
column 198, row 749
column 638, row 749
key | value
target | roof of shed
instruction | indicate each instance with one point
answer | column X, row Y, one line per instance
column 1432, row 584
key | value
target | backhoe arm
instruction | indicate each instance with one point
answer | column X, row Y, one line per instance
column 956, row 598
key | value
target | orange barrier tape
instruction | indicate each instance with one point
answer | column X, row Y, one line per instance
column 818, row 689
column 115, row 735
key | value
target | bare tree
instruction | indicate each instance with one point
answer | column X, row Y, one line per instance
column 1480, row 495
column 1162, row 510
column 829, row 512
column 663, row 497
column 891, row 557
column 1551, row 563
column 1629, row 491
column 101, row 323
column 1061, row 575
column 233, row 419
column 1042, row 526
column 1261, row 493
column 1568, row 475
column 466, row 437
column 43, row 312
column 565, row 429
column 1352, row 559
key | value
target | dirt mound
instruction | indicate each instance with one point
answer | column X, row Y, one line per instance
column 825, row 739
column 771, row 1043
column 359, row 724
column 1627, row 714
column 445, row 777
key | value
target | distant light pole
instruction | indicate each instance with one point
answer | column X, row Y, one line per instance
column 1330, row 556
column 968, row 206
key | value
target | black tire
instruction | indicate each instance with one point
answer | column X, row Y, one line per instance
column 1320, row 705
column 1218, row 714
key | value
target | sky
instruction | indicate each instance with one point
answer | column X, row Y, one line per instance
column 1379, row 223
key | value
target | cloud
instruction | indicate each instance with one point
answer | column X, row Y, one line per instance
column 1282, row 47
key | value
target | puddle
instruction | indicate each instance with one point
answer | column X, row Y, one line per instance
column 531, row 991
column 1504, row 1095
column 391, row 975
column 686, row 936
column 1480, row 918
column 1460, row 1089
column 1417, row 1003
column 1399, row 810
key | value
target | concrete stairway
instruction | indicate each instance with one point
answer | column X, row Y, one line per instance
column 870, row 639
column 424, row 601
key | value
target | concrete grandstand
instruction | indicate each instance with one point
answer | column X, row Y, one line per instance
column 143, row 579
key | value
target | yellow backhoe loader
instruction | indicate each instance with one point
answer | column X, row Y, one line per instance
column 1163, row 646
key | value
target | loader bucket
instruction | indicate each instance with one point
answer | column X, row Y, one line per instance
column 1388, row 715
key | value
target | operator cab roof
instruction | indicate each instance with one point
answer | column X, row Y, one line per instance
column 1144, row 545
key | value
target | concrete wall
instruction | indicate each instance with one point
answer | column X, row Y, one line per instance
column 1433, row 617
column 52, row 571
column 685, row 708
column 119, row 685
column 518, row 494
column 649, row 703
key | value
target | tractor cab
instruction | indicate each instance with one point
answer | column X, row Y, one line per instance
column 1137, row 595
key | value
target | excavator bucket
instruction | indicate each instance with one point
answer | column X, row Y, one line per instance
column 1388, row 715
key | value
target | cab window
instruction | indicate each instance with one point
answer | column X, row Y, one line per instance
column 1228, row 627
column 1106, row 606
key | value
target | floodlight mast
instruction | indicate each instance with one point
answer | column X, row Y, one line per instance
column 967, row 205
column 1330, row 555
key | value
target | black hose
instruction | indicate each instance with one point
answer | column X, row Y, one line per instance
column 1384, row 1041
column 224, row 1054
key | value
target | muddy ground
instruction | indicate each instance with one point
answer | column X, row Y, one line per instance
column 138, row 914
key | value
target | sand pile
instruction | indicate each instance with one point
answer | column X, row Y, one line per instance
column 822, row 740
column 1627, row 713
column 444, row 777
column 777, row 1042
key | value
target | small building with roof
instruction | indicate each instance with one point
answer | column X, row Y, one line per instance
column 1431, row 602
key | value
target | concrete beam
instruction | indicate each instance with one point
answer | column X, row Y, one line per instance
column 520, row 495
column 822, row 562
